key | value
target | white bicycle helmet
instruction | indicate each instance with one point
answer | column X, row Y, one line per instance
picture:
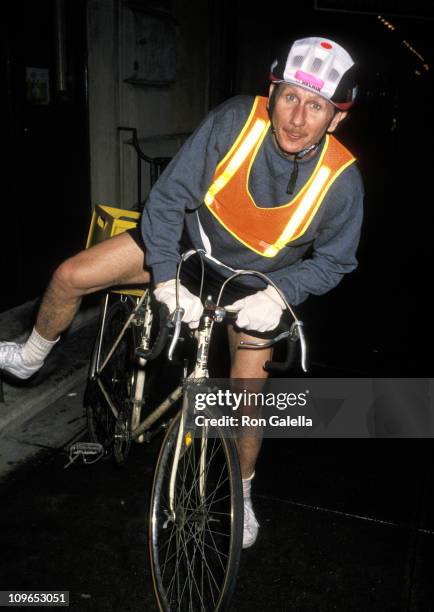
column 319, row 65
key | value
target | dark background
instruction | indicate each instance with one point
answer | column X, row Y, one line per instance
column 377, row 321
column 46, row 211
column 345, row 525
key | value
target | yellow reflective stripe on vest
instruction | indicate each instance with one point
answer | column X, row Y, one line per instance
column 237, row 160
column 288, row 233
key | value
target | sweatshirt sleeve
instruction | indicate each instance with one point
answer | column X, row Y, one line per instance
column 182, row 188
column 334, row 248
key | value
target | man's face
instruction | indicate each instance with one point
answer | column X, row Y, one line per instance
column 301, row 117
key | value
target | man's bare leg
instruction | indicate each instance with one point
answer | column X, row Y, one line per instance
column 116, row 261
column 247, row 363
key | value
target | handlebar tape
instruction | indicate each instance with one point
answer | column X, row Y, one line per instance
column 291, row 353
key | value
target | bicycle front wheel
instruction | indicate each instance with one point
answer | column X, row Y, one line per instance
column 195, row 550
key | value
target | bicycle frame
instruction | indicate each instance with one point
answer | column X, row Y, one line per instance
column 142, row 316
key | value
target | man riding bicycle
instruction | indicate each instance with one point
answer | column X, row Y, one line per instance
column 260, row 185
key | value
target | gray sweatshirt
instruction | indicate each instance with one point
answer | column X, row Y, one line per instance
column 312, row 264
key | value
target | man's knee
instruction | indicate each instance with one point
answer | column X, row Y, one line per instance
column 116, row 261
column 68, row 277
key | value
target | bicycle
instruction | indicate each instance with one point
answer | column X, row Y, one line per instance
column 196, row 506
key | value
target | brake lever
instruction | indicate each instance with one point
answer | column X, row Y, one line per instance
column 296, row 332
column 303, row 344
column 178, row 313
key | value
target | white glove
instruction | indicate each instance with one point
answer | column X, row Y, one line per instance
column 166, row 293
column 260, row 311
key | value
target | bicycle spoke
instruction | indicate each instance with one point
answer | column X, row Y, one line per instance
column 194, row 580
column 223, row 513
column 210, row 571
column 226, row 535
column 215, row 549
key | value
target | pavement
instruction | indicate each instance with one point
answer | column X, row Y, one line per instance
column 64, row 369
column 346, row 526
column 51, row 430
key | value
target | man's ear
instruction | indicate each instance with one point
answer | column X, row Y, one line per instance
column 270, row 91
column 339, row 116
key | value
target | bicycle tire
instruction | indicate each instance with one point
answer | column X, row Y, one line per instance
column 118, row 380
column 191, row 531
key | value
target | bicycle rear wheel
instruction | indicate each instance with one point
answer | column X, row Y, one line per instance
column 195, row 553
column 112, row 387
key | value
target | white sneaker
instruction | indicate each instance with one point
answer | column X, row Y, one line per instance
column 251, row 525
column 11, row 361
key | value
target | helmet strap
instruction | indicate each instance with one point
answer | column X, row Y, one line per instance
column 293, row 178
column 298, row 156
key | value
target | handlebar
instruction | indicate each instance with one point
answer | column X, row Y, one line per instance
column 171, row 324
column 295, row 333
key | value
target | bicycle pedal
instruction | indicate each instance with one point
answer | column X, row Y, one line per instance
column 84, row 449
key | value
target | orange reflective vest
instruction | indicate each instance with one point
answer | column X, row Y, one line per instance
column 267, row 230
